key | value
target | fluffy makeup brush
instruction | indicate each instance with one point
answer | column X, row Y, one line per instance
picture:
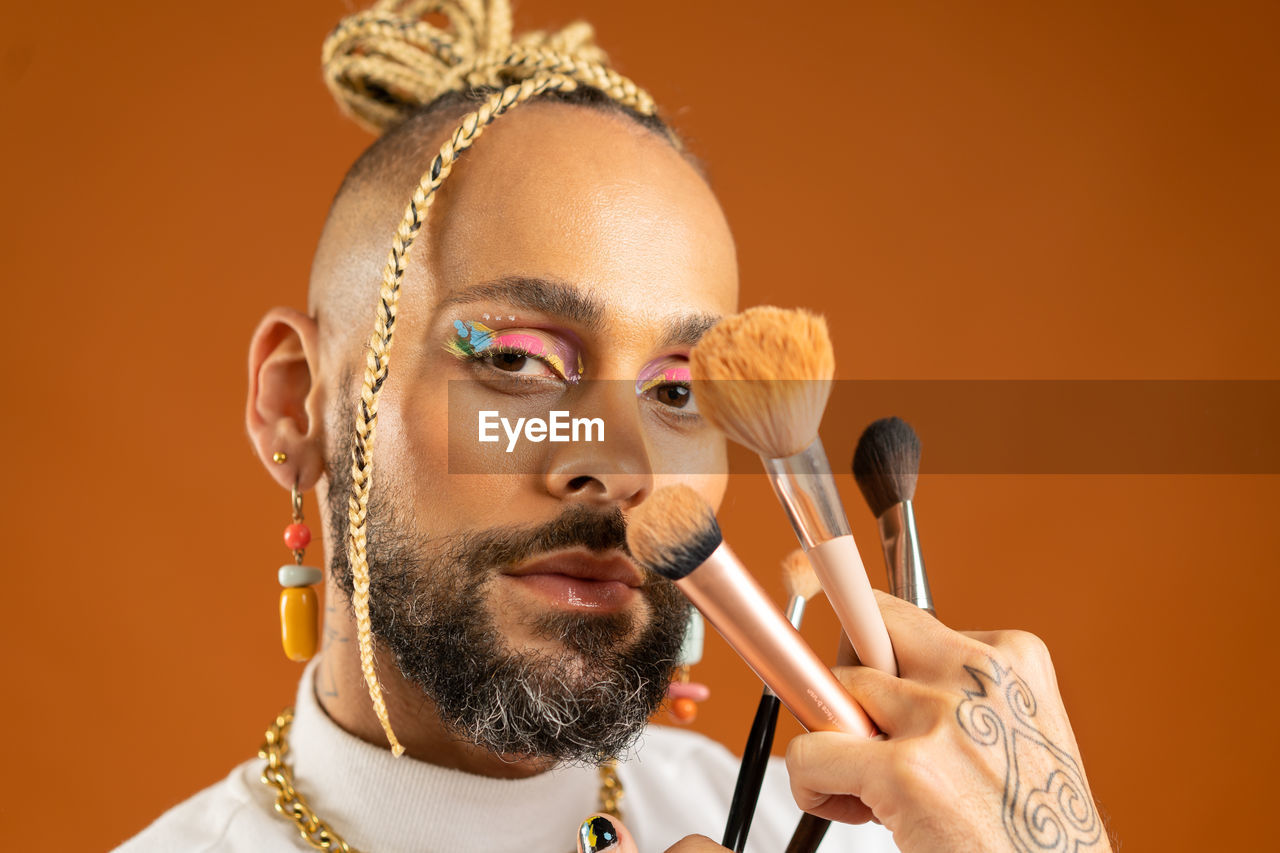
column 801, row 585
column 763, row 377
column 767, row 375
column 674, row 533
column 886, row 464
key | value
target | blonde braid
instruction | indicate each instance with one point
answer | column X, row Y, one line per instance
column 382, row 64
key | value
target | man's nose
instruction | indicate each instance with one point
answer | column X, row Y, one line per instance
column 615, row 471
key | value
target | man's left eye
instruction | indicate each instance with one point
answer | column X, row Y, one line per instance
column 513, row 361
column 675, row 395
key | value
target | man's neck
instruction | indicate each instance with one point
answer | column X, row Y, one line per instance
column 342, row 693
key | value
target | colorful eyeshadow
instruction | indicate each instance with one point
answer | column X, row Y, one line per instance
column 664, row 373
column 474, row 339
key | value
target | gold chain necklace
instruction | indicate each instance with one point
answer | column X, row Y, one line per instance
column 291, row 805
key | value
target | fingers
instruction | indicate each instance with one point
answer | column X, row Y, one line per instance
column 606, row 833
column 1020, row 646
column 898, row 707
column 833, row 773
column 695, row 844
column 603, row 832
column 1026, row 654
column 925, row 648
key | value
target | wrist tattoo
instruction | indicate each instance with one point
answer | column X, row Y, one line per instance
column 1046, row 804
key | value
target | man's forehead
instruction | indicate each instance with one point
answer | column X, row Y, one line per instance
column 552, row 193
column 591, row 201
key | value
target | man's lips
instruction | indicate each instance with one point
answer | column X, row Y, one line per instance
column 581, row 579
column 584, row 565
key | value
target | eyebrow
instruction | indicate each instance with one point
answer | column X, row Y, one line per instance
column 536, row 294
column 548, row 296
column 688, row 330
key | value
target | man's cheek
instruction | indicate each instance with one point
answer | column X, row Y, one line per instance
column 487, row 433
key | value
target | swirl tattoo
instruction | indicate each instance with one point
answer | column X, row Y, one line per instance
column 1047, row 804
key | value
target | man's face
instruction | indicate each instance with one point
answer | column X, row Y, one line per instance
column 569, row 263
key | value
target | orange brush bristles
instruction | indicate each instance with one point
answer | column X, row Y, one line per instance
column 763, row 378
column 798, row 577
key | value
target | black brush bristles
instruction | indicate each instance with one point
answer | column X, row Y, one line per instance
column 682, row 559
column 673, row 532
column 887, row 463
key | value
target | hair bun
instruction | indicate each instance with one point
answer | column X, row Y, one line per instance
column 386, row 61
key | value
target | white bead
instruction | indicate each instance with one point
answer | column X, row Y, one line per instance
column 295, row 575
column 691, row 652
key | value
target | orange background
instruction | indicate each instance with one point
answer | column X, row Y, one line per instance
column 984, row 190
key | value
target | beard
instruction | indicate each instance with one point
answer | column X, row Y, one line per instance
column 584, row 703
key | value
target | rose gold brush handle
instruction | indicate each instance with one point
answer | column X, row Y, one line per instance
column 731, row 600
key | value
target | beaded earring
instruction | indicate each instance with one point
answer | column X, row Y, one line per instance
column 299, row 603
column 683, row 694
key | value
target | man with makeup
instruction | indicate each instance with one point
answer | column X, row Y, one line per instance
column 570, row 263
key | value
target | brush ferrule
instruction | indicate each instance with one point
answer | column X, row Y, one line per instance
column 807, row 491
column 795, row 611
column 907, row 577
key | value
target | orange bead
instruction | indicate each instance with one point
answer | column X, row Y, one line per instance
column 684, row 710
column 299, row 622
column 297, row 536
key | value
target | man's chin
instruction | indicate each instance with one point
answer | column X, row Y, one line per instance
column 570, row 637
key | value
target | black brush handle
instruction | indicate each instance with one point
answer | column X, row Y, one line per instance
column 809, row 834
column 755, row 760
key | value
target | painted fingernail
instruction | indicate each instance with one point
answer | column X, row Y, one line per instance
column 597, row 833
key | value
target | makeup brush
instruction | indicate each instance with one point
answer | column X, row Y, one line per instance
column 801, row 585
column 886, row 464
column 763, row 378
column 674, row 533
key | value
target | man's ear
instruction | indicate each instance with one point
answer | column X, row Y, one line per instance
column 284, row 411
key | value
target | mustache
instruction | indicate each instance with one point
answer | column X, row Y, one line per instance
column 576, row 527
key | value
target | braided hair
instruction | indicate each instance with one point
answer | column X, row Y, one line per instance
column 389, row 63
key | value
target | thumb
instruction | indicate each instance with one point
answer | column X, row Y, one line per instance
column 605, row 832
column 602, row 832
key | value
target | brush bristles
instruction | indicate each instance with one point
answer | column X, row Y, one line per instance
column 887, row 463
column 798, row 577
column 673, row 532
column 763, row 377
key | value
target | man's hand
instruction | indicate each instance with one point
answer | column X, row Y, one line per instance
column 607, row 834
column 979, row 754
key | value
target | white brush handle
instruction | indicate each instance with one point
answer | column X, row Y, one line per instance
column 807, row 491
column 839, row 568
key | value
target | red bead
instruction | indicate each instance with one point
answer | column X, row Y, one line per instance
column 684, row 709
column 297, row 536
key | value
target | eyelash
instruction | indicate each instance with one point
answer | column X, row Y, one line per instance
column 486, row 355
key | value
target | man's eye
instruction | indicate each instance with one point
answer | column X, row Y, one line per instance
column 511, row 361
column 518, row 362
column 676, row 396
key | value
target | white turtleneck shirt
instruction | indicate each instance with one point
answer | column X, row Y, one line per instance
column 676, row 783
